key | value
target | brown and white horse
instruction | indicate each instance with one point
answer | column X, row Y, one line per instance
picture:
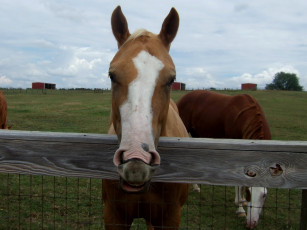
column 142, row 73
column 213, row 115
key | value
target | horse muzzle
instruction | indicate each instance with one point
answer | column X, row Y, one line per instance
column 135, row 175
column 251, row 224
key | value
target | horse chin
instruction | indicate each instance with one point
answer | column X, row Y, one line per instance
column 133, row 188
column 135, row 175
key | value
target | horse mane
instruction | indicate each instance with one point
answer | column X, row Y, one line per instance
column 255, row 127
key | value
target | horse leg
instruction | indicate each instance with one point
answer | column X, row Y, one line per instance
column 240, row 190
column 170, row 219
column 239, row 201
column 114, row 221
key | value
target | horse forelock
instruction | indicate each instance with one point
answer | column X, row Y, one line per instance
column 138, row 33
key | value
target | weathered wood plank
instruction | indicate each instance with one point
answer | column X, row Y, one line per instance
column 206, row 161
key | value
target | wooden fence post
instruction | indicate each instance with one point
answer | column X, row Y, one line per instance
column 303, row 225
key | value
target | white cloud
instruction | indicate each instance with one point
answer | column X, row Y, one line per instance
column 198, row 78
column 82, row 67
column 262, row 78
column 4, row 81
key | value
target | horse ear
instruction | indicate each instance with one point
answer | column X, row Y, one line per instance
column 119, row 26
column 248, row 195
column 169, row 28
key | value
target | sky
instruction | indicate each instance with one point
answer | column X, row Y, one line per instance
column 219, row 44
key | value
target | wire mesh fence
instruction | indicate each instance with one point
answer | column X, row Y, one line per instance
column 45, row 202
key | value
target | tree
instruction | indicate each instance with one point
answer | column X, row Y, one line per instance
column 285, row 81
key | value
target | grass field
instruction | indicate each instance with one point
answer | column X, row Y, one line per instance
column 41, row 202
column 88, row 112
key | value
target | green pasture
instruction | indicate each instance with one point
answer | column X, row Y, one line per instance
column 43, row 202
column 89, row 112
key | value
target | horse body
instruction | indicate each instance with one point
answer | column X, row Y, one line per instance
column 3, row 112
column 142, row 73
column 212, row 115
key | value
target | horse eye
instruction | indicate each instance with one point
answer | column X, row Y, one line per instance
column 112, row 77
column 171, row 81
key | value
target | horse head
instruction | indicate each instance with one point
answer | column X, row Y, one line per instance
column 255, row 197
column 142, row 73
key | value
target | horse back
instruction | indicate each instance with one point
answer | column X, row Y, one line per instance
column 202, row 112
column 214, row 115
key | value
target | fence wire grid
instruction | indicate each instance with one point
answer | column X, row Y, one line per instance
column 45, row 202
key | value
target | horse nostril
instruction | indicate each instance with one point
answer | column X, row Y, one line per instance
column 118, row 157
column 145, row 147
column 121, row 157
column 153, row 158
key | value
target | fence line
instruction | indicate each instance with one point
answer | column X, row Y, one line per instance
column 275, row 164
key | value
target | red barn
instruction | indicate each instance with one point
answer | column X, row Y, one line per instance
column 42, row 85
column 178, row 86
column 248, row 86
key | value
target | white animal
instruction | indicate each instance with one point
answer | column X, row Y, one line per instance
column 253, row 198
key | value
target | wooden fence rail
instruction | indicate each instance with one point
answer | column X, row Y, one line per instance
column 274, row 164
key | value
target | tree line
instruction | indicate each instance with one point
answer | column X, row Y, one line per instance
column 285, row 81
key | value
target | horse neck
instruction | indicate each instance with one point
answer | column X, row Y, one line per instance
column 255, row 127
column 174, row 126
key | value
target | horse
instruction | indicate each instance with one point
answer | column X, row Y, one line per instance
column 213, row 115
column 3, row 112
column 142, row 73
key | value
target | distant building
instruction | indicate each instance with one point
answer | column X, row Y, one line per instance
column 178, row 86
column 42, row 85
column 248, row 86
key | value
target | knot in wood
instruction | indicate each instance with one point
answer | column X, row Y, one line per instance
column 276, row 171
column 251, row 170
column 250, row 173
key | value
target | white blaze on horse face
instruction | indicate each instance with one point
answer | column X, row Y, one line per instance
column 258, row 196
column 136, row 112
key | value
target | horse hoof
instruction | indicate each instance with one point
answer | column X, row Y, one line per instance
column 244, row 203
column 241, row 214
